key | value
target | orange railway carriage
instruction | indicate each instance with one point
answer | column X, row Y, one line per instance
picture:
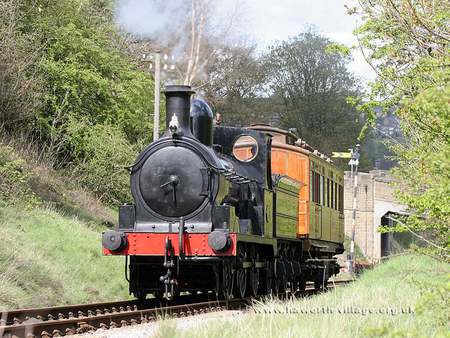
column 320, row 200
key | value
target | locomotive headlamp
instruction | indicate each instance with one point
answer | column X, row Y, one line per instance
column 113, row 240
column 173, row 125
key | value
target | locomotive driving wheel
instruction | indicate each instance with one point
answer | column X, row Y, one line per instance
column 294, row 285
column 254, row 273
column 265, row 285
column 241, row 282
column 241, row 272
column 254, row 281
column 302, row 284
column 280, row 276
column 228, row 280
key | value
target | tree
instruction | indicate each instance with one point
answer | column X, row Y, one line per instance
column 235, row 80
column 86, row 77
column 199, row 13
column 312, row 81
column 407, row 44
column 20, row 85
column 207, row 26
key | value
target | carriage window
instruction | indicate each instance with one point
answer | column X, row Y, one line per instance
column 317, row 188
column 328, row 193
column 245, row 148
column 322, row 200
column 313, row 186
column 332, row 194
column 314, row 179
column 341, row 198
column 335, row 195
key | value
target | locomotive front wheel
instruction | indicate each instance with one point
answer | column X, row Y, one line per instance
column 228, row 280
column 241, row 282
column 158, row 295
column 140, row 295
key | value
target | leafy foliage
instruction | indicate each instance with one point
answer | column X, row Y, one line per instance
column 301, row 83
column 98, row 145
column 308, row 73
column 78, row 63
column 20, row 89
column 87, row 78
column 236, row 78
column 14, row 181
column 408, row 46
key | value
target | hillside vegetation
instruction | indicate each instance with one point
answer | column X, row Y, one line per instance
column 71, row 87
column 74, row 108
column 407, row 296
column 51, row 238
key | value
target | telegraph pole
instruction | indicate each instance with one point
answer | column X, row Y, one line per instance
column 353, row 155
column 354, row 162
column 154, row 60
column 157, row 91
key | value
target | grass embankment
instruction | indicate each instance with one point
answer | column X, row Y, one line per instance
column 413, row 283
column 50, row 231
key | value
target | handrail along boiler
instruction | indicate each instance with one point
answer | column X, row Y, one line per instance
column 238, row 211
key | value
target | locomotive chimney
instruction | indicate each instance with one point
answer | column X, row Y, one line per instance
column 178, row 105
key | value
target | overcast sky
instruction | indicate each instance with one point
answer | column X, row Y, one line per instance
column 261, row 21
column 271, row 20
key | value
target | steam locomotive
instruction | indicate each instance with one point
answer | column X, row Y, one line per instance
column 235, row 211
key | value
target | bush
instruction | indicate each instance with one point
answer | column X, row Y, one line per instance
column 21, row 85
column 88, row 76
column 105, row 152
column 14, row 181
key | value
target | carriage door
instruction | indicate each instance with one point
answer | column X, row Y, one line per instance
column 319, row 203
column 318, row 214
column 317, row 199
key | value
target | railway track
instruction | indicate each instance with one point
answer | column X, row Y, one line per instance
column 108, row 319
column 68, row 320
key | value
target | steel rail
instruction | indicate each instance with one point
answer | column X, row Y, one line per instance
column 73, row 319
column 82, row 324
column 63, row 312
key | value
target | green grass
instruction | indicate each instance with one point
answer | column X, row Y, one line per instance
column 50, row 236
column 413, row 282
column 50, row 259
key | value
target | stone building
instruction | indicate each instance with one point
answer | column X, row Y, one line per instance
column 374, row 201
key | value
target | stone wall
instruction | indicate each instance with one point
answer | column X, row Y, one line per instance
column 374, row 199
